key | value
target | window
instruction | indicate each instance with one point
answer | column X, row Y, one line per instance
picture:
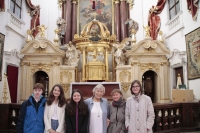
column 174, row 8
column 15, row 7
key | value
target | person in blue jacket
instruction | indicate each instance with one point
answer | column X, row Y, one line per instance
column 31, row 112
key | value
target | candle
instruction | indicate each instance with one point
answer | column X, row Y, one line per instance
column 93, row 5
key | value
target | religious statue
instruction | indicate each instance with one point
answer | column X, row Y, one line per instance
column 62, row 25
column 42, row 29
column 35, row 14
column 154, row 21
column 178, row 81
column 94, row 54
column 132, row 25
column 119, row 54
column 70, row 53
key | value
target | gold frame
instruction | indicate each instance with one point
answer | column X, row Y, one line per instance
column 78, row 19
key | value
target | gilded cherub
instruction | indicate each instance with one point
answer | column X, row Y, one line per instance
column 42, row 29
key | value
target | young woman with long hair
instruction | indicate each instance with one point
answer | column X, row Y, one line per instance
column 55, row 111
column 76, row 114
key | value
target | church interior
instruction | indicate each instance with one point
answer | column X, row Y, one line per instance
column 82, row 43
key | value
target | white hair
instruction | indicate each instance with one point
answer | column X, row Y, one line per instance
column 99, row 86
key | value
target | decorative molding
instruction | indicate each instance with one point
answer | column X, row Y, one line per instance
column 125, row 86
column 69, row 74
column 40, row 67
column 150, row 66
column 15, row 53
column 125, row 72
column 180, row 54
column 65, row 87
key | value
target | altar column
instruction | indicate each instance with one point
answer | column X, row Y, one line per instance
column 123, row 16
column 74, row 19
column 68, row 19
column 106, row 64
column 83, row 65
column 117, row 20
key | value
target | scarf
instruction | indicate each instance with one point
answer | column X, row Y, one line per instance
column 119, row 103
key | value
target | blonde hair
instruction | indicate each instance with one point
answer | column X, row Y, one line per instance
column 99, row 86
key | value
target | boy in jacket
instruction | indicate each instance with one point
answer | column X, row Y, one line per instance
column 32, row 112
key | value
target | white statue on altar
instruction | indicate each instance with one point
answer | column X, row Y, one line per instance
column 119, row 56
column 72, row 55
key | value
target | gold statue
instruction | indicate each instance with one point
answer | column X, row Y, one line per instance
column 42, row 29
column 94, row 54
column 147, row 31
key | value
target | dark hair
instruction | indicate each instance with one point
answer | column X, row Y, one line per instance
column 61, row 98
column 71, row 107
column 137, row 82
column 39, row 86
column 116, row 90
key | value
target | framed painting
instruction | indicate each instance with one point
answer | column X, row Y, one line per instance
column 2, row 38
column 193, row 53
column 104, row 12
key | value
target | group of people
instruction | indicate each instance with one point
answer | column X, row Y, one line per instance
column 93, row 115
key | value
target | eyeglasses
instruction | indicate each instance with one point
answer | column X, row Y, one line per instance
column 135, row 86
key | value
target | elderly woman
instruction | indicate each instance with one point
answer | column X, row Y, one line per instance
column 97, row 110
column 139, row 113
column 117, row 113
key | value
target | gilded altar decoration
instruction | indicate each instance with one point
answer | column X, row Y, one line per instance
column 6, row 92
column 149, row 66
column 40, row 67
column 125, row 86
column 147, row 31
column 42, row 29
column 193, row 53
column 65, row 87
column 125, row 75
column 96, row 44
column 65, row 77
column 131, row 3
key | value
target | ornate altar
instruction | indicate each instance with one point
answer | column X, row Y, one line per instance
column 94, row 43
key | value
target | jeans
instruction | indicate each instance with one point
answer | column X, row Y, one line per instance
column 54, row 124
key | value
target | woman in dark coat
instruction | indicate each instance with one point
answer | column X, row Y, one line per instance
column 76, row 114
column 117, row 113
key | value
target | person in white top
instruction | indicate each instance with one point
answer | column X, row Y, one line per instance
column 98, row 109
column 54, row 113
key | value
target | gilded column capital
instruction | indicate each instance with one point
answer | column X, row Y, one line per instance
column 74, row 1
column 116, row 1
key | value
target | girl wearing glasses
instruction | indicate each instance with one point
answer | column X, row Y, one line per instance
column 139, row 112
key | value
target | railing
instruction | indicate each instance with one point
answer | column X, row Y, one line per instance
column 8, row 117
column 169, row 117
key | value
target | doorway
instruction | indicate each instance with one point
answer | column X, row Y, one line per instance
column 149, row 80
column 43, row 78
